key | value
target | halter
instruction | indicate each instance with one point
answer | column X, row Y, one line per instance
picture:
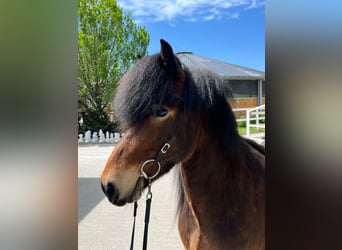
column 163, row 150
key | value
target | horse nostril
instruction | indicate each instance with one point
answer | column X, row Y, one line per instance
column 109, row 189
column 111, row 192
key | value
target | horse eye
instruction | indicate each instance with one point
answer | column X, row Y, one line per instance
column 160, row 112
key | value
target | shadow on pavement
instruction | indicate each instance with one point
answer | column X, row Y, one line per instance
column 89, row 195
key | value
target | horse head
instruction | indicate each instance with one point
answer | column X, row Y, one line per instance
column 149, row 106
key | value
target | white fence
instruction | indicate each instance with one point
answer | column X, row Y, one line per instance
column 252, row 114
column 98, row 137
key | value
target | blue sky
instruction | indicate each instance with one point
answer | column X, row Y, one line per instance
column 227, row 30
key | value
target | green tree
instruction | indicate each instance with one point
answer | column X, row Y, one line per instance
column 109, row 41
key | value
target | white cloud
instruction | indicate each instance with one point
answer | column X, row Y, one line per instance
column 208, row 18
column 255, row 4
column 235, row 15
column 189, row 10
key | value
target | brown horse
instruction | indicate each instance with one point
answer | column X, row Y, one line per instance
column 171, row 114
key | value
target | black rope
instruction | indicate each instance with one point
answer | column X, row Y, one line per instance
column 147, row 220
column 134, row 215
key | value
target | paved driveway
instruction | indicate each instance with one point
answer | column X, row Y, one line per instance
column 102, row 225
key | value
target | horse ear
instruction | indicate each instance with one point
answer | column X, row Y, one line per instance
column 169, row 61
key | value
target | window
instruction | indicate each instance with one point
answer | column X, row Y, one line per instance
column 244, row 88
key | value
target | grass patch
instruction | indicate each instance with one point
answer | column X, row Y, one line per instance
column 242, row 128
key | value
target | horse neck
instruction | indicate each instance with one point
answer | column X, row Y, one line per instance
column 215, row 183
column 206, row 176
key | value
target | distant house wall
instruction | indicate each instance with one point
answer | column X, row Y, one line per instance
column 244, row 102
column 244, row 94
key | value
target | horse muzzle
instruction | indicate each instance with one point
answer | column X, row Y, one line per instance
column 113, row 195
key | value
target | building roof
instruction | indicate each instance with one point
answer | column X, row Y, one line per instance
column 224, row 69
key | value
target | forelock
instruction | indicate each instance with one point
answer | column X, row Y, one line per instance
column 144, row 84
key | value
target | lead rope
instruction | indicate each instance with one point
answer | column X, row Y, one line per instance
column 133, row 229
column 147, row 217
column 147, row 214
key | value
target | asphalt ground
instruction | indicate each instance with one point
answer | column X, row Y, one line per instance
column 102, row 225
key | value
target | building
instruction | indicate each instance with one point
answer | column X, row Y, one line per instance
column 247, row 85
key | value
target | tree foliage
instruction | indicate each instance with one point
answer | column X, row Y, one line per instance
column 108, row 43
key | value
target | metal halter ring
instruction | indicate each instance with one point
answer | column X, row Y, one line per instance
column 165, row 148
column 144, row 174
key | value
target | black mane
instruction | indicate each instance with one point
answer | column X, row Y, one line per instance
column 207, row 95
column 147, row 83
